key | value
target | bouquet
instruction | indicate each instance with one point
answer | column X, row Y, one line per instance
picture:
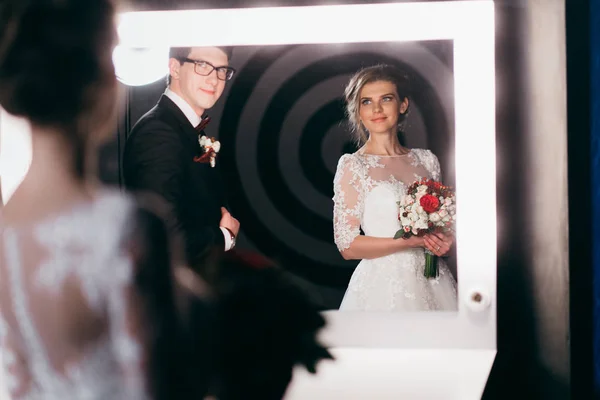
column 428, row 207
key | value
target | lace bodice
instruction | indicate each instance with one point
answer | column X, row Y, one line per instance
column 367, row 187
column 366, row 191
column 68, row 312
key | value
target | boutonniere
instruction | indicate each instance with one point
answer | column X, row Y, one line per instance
column 210, row 148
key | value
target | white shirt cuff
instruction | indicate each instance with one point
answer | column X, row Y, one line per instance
column 228, row 241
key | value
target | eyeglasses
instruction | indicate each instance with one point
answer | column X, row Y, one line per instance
column 205, row 68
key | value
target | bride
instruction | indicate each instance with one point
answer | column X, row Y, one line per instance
column 367, row 186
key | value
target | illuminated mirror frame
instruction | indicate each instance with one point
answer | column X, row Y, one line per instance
column 470, row 25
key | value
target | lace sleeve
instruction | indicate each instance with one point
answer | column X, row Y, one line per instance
column 436, row 172
column 348, row 201
column 9, row 382
column 145, row 267
column 125, row 313
column 168, row 361
column 430, row 162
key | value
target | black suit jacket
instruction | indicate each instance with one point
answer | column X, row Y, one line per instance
column 159, row 158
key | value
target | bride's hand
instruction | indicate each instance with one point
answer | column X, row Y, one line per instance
column 438, row 243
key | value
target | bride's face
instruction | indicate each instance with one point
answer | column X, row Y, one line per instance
column 379, row 107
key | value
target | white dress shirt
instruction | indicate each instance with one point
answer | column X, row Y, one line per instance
column 195, row 119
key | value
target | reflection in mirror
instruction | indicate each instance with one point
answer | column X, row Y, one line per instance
column 283, row 127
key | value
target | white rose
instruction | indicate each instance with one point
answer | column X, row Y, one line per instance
column 217, row 146
column 202, row 140
column 421, row 224
column 434, row 217
column 422, row 189
column 443, row 213
column 447, row 201
column 420, row 209
column 405, row 221
column 446, row 218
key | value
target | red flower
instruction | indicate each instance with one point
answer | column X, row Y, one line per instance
column 429, row 203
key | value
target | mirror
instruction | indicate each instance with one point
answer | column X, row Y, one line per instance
column 449, row 48
column 282, row 126
column 301, row 162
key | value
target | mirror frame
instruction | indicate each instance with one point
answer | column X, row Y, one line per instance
column 470, row 25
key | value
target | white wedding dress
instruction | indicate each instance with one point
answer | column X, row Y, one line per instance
column 68, row 312
column 366, row 191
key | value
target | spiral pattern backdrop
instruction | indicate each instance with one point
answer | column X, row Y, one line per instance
column 282, row 129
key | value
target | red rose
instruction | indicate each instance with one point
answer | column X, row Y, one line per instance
column 430, row 203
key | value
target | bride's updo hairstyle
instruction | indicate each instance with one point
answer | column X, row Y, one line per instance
column 382, row 72
column 56, row 65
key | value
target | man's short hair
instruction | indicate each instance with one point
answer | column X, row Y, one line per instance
column 183, row 52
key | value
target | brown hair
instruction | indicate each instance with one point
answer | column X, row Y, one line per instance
column 56, row 66
column 382, row 72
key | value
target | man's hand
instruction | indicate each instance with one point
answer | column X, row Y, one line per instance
column 227, row 221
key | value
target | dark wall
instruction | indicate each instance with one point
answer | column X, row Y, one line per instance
column 590, row 330
column 544, row 308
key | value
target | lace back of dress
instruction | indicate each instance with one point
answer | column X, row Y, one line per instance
column 63, row 301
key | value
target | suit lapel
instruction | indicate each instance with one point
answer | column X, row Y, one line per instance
column 188, row 132
column 206, row 176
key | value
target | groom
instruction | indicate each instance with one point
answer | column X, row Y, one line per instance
column 164, row 153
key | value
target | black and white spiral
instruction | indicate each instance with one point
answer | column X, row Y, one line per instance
column 282, row 129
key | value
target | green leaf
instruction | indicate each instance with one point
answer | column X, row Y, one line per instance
column 399, row 234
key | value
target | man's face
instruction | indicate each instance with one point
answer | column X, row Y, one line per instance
column 200, row 92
